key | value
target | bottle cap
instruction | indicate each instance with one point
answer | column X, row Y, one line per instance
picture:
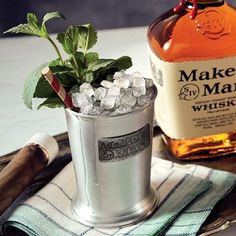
column 47, row 142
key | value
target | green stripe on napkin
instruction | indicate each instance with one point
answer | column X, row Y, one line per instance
column 190, row 221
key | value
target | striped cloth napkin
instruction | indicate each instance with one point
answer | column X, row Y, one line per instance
column 187, row 195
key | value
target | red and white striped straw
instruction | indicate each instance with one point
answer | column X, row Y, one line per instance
column 57, row 87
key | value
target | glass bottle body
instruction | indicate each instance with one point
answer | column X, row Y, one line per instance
column 211, row 35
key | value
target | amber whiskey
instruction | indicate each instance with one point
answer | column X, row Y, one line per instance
column 192, row 51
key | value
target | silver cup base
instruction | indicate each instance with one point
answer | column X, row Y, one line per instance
column 129, row 217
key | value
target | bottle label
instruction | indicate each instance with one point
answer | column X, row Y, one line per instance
column 196, row 98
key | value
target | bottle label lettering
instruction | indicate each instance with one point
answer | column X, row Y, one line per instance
column 196, row 98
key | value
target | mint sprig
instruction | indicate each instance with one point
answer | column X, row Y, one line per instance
column 35, row 28
column 87, row 37
column 80, row 66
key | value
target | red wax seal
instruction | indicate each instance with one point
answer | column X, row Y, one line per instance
column 181, row 6
column 212, row 24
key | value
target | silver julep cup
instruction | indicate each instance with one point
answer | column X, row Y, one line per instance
column 112, row 163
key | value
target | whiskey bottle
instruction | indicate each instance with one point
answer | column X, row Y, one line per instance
column 192, row 51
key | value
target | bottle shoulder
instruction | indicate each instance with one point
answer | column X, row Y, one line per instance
column 212, row 34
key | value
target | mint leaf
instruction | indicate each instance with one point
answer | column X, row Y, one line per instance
column 69, row 40
column 43, row 89
column 87, row 36
column 52, row 15
column 79, row 57
column 55, row 102
column 90, row 58
column 100, row 63
column 31, row 84
column 24, row 29
column 89, row 77
column 35, row 25
column 47, row 17
column 55, row 62
column 122, row 63
column 33, row 21
column 32, row 27
column 64, row 75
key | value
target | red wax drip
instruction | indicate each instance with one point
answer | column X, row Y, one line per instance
column 181, row 6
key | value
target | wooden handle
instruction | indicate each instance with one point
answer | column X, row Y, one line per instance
column 20, row 173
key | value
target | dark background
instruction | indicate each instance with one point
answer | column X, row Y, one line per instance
column 103, row 14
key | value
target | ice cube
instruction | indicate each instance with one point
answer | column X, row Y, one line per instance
column 87, row 89
column 131, row 80
column 128, row 100
column 108, row 102
column 151, row 92
column 143, row 100
column 96, row 110
column 119, row 74
column 86, row 107
column 139, row 91
column 78, row 99
column 139, row 82
column 113, row 91
column 138, row 85
column 107, row 84
column 118, row 100
column 74, row 89
column 129, row 91
column 122, row 82
column 100, row 93
column 122, row 91
column 137, row 74
column 149, row 83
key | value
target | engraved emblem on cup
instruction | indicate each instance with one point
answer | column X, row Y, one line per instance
column 121, row 148
column 211, row 23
